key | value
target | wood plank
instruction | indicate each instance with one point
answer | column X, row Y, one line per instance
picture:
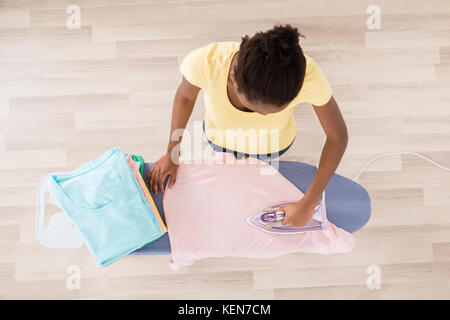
column 43, row 158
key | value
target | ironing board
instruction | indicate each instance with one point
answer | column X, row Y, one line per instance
column 348, row 203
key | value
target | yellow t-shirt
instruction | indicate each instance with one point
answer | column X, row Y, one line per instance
column 207, row 67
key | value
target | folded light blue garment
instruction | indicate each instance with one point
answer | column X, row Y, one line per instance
column 105, row 203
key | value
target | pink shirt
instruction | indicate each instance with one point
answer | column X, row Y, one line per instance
column 207, row 208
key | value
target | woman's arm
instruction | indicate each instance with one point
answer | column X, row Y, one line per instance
column 167, row 165
column 183, row 104
column 299, row 214
column 335, row 129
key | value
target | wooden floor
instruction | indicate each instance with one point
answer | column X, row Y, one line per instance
column 66, row 96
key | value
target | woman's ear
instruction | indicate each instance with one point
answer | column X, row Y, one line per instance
column 232, row 76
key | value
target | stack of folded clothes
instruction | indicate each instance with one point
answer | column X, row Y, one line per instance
column 109, row 203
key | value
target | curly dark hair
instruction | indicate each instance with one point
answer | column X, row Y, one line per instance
column 271, row 66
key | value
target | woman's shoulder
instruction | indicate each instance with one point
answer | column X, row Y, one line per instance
column 220, row 47
column 316, row 89
column 222, row 50
column 310, row 65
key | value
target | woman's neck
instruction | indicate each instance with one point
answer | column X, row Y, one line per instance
column 230, row 89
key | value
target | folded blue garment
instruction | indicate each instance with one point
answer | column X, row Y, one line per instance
column 105, row 203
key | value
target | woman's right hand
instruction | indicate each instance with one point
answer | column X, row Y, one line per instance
column 160, row 170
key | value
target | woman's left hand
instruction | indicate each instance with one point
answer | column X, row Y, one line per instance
column 297, row 214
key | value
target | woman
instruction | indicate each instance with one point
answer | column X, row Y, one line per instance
column 251, row 89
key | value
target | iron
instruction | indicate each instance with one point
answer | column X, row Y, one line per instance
column 270, row 219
